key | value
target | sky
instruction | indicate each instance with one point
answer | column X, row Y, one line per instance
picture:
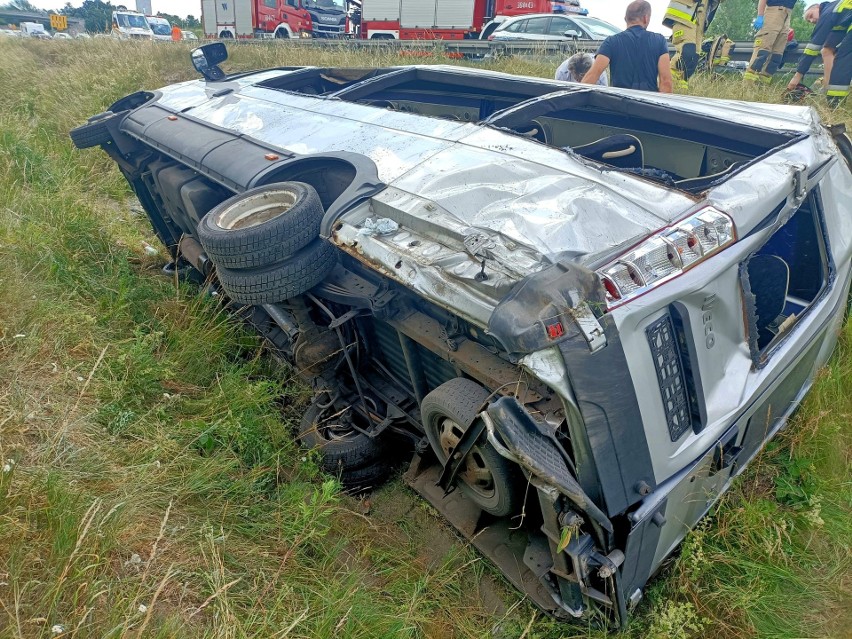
column 609, row 10
column 180, row 8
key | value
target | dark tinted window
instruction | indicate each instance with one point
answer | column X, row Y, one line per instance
column 537, row 25
column 516, row 26
column 559, row 26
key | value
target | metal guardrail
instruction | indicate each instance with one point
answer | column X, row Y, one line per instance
column 741, row 52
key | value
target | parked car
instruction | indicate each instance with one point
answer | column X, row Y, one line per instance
column 188, row 35
column 9, row 33
column 61, row 35
column 548, row 27
column 580, row 312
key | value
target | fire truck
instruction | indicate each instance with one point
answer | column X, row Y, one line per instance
column 245, row 19
column 446, row 19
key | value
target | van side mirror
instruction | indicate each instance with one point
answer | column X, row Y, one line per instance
column 572, row 33
column 206, row 60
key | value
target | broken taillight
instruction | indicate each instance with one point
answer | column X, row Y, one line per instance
column 666, row 254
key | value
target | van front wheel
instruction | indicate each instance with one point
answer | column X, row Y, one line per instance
column 492, row 482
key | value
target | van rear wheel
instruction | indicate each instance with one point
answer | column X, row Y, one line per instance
column 343, row 449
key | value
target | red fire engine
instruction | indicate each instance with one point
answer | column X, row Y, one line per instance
column 273, row 18
column 446, row 19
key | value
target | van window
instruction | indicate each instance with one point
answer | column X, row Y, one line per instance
column 783, row 278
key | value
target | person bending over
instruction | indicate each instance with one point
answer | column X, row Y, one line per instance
column 833, row 33
column 575, row 67
column 636, row 58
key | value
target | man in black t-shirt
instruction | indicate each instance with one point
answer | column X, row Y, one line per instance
column 636, row 57
column 773, row 26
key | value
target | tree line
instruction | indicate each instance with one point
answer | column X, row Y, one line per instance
column 734, row 19
column 97, row 14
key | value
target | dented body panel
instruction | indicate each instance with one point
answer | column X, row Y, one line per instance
column 475, row 215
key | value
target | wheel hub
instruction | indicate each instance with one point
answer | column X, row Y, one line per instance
column 256, row 210
column 475, row 471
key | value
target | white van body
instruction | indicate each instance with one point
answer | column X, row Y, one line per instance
column 131, row 25
column 33, row 30
column 160, row 28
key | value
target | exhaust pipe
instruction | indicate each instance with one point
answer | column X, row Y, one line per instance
column 193, row 253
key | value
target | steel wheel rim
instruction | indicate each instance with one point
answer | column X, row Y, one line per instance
column 475, row 471
column 256, row 210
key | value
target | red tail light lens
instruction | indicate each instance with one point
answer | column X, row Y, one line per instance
column 666, row 254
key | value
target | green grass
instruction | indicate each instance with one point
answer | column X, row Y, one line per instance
column 153, row 488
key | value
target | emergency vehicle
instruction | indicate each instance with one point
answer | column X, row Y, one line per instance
column 439, row 19
column 273, row 18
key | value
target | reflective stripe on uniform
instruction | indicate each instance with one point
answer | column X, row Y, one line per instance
column 812, row 49
column 687, row 9
column 837, row 91
column 679, row 11
column 679, row 15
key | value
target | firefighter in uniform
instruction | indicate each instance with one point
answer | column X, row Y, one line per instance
column 841, row 71
column 829, row 33
column 773, row 25
column 689, row 20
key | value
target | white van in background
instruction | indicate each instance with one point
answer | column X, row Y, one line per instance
column 34, row 30
column 130, row 25
column 160, row 27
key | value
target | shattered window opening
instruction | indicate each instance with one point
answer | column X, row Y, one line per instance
column 783, row 279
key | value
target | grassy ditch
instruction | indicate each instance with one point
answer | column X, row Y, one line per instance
column 149, row 483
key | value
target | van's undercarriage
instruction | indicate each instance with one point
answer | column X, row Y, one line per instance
column 451, row 294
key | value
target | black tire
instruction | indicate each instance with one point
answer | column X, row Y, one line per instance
column 459, row 401
column 282, row 281
column 360, row 480
column 94, row 132
column 261, row 226
column 342, row 451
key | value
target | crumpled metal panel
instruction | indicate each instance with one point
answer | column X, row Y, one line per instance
column 525, row 204
column 762, row 115
column 542, row 198
column 438, row 269
column 395, row 142
column 545, row 199
column 192, row 93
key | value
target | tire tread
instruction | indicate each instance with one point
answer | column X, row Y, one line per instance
column 267, row 243
column 284, row 280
